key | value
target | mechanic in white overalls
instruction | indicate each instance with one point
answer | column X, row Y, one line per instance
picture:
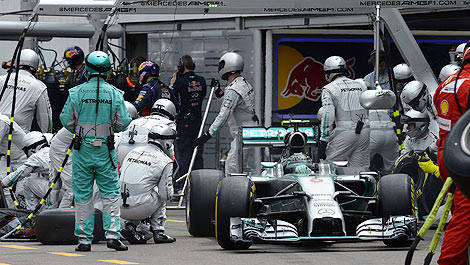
column 146, row 183
column 36, row 148
column 349, row 140
column 383, row 139
column 238, row 109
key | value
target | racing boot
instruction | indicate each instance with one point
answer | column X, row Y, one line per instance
column 83, row 247
column 159, row 237
column 116, row 244
column 132, row 235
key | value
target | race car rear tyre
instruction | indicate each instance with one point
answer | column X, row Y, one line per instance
column 56, row 227
column 235, row 196
column 396, row 196
column 200, row 201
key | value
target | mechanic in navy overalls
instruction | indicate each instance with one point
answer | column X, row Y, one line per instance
column 190, row 89
column 152, row 88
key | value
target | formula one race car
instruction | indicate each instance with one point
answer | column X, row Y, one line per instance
column 296, row 199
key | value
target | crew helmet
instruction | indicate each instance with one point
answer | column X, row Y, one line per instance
column 148, row 69
column 131, row 109
column 33, row 141
column 74, row 56
column 447, row 71
column 416, row 123
column 29, row 59
column 415, row 94
column 164, row 107
column 162, row 136
column 230, row 63
column 334, row 66
column 402, row 73
column 459, row 51
column 97, row 63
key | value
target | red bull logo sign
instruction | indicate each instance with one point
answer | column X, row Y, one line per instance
column 300, row 80
column 305, row 80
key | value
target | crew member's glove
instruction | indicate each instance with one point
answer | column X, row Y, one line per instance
column 428, row 166
column 218, row 91
column 201, row 140
column 322, row 149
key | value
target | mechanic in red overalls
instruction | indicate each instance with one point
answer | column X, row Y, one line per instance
column 451, row 101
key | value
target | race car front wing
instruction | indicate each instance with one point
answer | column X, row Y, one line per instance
column 253, row 229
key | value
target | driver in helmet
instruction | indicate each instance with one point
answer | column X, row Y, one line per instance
column 295, row 142
column 35, row 186
column 74, row 56
column 94, row 111
column 152, row 88
column 163, row 112
column 146, row 185
column 238, row 109
column 349, row 140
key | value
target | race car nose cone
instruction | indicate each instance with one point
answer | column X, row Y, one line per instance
column 377, row 99
column 457, row 154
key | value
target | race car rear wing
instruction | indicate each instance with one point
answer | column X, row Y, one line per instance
column 273, row 136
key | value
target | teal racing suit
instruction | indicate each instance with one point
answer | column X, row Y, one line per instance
column 94, row 121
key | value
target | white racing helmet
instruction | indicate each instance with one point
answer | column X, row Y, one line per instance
column 334, row 66
column 402, row 73
column 33, row 141
column 447, row 71
column 162, row 136
column 230, row 63
column 30, row 59
column 459, row 51
column 164, row 107
column 415, row 94
column 416, row 123
column 131, row 109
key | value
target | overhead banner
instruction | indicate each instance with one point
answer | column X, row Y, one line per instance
column 323, row 7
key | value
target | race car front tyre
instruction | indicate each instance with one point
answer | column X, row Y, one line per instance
column 396, row 196
column 235, row 196
column 56, row 227
column 200, row 201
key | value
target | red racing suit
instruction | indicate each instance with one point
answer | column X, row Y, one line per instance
column 457, row 234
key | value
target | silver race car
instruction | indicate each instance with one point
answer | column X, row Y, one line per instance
column 295, row 199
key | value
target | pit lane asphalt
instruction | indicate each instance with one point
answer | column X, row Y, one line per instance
column 201, row 251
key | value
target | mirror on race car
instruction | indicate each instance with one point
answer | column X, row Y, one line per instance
column 377, row 99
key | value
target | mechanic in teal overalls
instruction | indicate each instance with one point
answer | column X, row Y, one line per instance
column 94, row 111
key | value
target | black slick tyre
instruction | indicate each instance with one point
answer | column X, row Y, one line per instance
column 56, row 227
column 396, row 198
column 235, row 196
column 200, row 201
